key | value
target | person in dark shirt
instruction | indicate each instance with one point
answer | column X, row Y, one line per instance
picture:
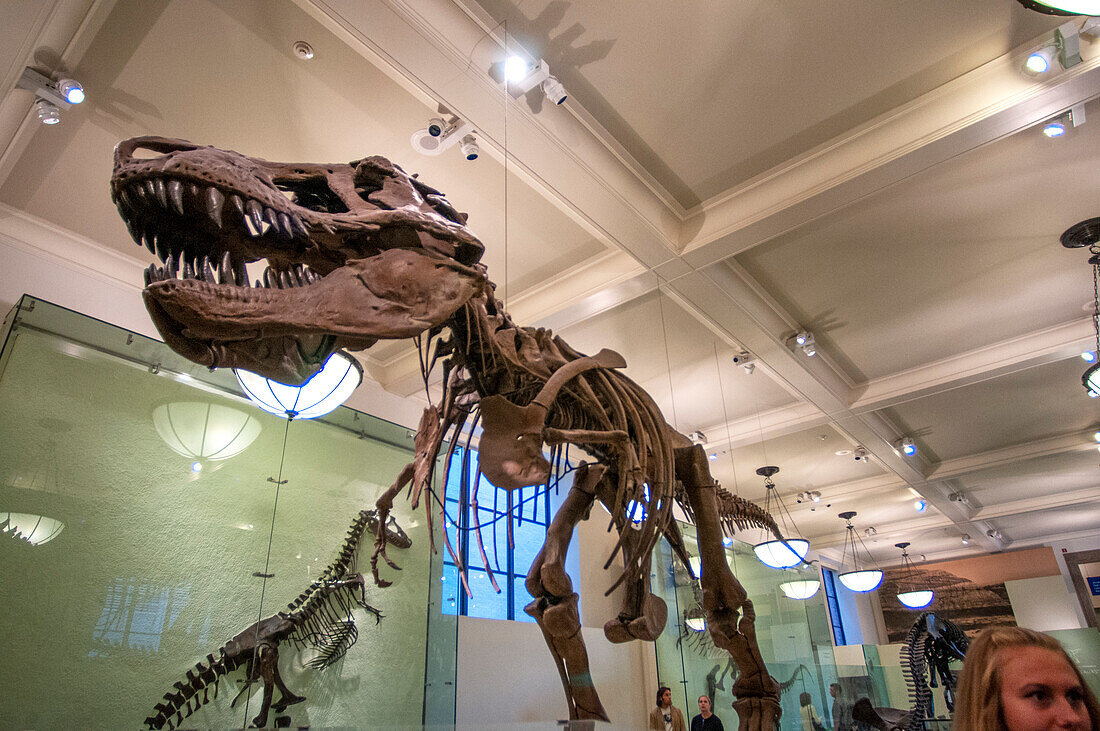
column 706, row 721
column 842, row 709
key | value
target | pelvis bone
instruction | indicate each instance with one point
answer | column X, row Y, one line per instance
column 511, row 446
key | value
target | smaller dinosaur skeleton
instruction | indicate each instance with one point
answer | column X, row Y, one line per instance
column 932, row 643
column 320, row 618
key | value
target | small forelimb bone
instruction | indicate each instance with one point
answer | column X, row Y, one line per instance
column 384, row 505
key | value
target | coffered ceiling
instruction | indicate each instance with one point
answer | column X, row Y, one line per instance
column 722, row 176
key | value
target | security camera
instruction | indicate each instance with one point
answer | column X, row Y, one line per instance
column 469, row 147
column 742, row 358
column 436, row 126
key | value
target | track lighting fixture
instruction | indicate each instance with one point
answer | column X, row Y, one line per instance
column 47, row 112
column 521, row 76
column 698, row 437
column 51, row 97
column 920, row 505
column 1066, row 46
column 441, row 134
column 906, row 446
column 803, row 340
column 1089, row 356
column 469, row 147
column 965, row 539
column 994, row 534
column 860, row 454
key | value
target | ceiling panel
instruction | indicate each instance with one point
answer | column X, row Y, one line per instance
column 707, row 95
column 1046, row 476
column 961, row 256
column 690, row 365
column 1017, row 408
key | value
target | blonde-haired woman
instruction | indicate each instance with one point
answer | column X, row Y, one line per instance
column 1016, row 679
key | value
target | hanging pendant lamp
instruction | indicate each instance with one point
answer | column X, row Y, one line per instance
column 324, row 391
column 859, row 579
column 1078, row 236
column 915, row 597
column 800, row 589
column 775, row 553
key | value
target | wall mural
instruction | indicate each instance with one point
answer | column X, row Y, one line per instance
column 970, row 591
column 362, row 252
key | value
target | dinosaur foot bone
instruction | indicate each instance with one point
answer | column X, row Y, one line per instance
column 560, row 623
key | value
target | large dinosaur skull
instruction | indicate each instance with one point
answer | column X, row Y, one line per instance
column 356, row 253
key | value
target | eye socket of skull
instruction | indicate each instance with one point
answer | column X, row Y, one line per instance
column 150, row 148
column 312, row 193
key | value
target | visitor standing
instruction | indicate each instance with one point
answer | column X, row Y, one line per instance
column 666, row 717
column 706, row 721
column 842, row 709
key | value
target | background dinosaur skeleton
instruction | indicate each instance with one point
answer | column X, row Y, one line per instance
column 362, row 251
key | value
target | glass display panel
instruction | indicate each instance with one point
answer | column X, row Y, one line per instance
column 140, row 558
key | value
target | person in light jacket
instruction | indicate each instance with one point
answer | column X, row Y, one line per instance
column 810, row 720
column 666, row 717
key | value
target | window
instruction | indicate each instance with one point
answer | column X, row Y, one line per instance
column 530, row 519
column 834, row 606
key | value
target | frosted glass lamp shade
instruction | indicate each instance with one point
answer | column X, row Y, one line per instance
column 327, row 389
column 862, row 581
column 200, row 430
column 800, row 589
column 916, row 599
column 779, row 555
column 695, row 619
column 34, row 529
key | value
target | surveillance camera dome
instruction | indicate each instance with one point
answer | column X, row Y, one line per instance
column 436, row 126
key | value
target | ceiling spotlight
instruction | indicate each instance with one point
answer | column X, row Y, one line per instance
column 442, row 134
column 994, row 534
column 521, row 77
column 469, row 147
column 1055, row 129
column 554, row 91
column 1088, row 356
column 907, row 447
column 805, row 341
column 1038, row 62
column 920, row 505
column 71, row 90
column 860, row 454
column 47, row 112
column 302, row 50
column 966, row 539
column 802, row 338
column 698, row 437
column 515, row 69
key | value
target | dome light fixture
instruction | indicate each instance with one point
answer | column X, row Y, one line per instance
column 695, row 619
column 204, row 432
column 776, row 553
column 1080, row 235
column 324, row 391
column 34, row 529
column 915, row 597
column 859, row 579
column 800, row 589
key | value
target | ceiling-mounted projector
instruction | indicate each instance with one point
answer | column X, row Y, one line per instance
column 439, row 135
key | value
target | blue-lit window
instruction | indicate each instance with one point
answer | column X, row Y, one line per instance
column 530, row 519
column 835, row 617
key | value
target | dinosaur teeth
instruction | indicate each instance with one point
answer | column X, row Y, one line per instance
column 225, row 269
column 160, row 191
column 175, row 194
column 255, row 217
column 214, row 202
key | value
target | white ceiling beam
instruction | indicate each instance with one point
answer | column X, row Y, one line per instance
column 986, row 104
column 1072, row 442
column 1026, row 351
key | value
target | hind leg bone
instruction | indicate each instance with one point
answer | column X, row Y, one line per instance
column 555, row 604
column 730, row 614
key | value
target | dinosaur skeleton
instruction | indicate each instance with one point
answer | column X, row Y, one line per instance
column 362, row 251
column 320, row 618
column 932, row 643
